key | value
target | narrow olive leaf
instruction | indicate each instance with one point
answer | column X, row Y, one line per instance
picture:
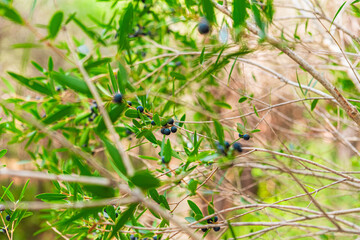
column 239, row 13
column 125, row 26
column 51, row 196
column 115, row 156
column 3, row 152
column 84, row 139
column 23, row 190
column 124, row 217
column 178, row 76
column 113, row 79
column 145, row 180
column 182, row 119
column 91, row 34
column 231, row 70
column 132, row 113
column 10, row 13
column 269, row 11
column 195, row 208
column 242, row 99
column 32, row 84
column 26, row 45
column 202, row 56
column 297, row 79
column 167, row 151
column 76, row 84
column 150, row 136
column 313, row 104
column 114, row 114
column 219, row 131
column 55, row 24
column 156, row 119
column 259, row 22
column 337, row 13
column 63, row 111
column 208, row 10
column 222, row 104
column 123, row 78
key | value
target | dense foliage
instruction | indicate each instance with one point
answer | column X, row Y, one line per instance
column 176, row 119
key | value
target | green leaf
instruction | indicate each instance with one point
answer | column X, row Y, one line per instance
column 222, row 104
column 123, row 78
column 167, row 152
column 32, row 84
column 239, row 13
column 192, row 186
column 132, row 113
column 76, row 84
column 313, row 104
column 208, row 10
column 150, row 136
column 182, row 119
column 124, row 217
column 145, row 180
column 202, row 56
column 115, row 155
column 55, row 24
column 51, row 196
column 195, row 208
column 112, row 79
column 242, row 99
column 178, row 76
column 156, row 119
column 63, row 112
column 26, row 45
column 10, row 13
column 125, row 26
column 219, row 131
column 114, row 114
column 297, row 79
column 23, row 190
column 338, row 11
column 259, row 22
column 2, row 152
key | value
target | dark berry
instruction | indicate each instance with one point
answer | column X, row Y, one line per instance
column 167, row 131
column 209, row 221
column 140, row 109
column 216, row 229
column 163, row 159
column 129, row 103
column 171, row 121
column 8, row 218
column 58, row 89
column 204, row 27
column 90, row 119
column 216, row 219
column 84, row 145
column 246, row 137
column 155, row 238
column 237, row 147
column 153, row 122
column 132, row 237
column 178, row 63
column 240, row 135
column 173, row 129
column 221, row 149
column 116, row 215
column 227, row 144
column 163, row 130
column 117, row 98
column 204, row 229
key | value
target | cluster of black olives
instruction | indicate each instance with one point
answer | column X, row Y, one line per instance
column 210, row 221
column 168, row 127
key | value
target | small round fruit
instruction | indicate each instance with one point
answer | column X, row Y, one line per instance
column 227, row 144
column 8, row 218
column 132, row 237
column 155, row 238
column 129, row 103
column 220, row 148
column 204, row 229
column 173, row 129
column 90, row 119
column 209, row 221
column 153, row 122
column 216, row 229
column 246, row 137
column 58, row 89
column 171, row 121
column 167, row 131
column 116, row 215
column 216, row 219
column 140, row 109
column 128, row 132
column 163, row 160
column 117, row 98
column 204, row 27
column 163, row 130
column 237, row 147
